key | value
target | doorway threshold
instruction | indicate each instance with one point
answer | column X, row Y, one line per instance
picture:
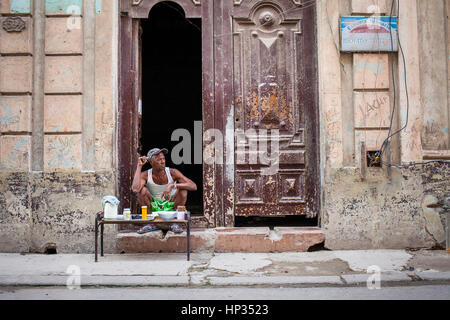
column 237, row 239
column 276, row 221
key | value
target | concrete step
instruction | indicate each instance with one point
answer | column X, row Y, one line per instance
column 261, row 239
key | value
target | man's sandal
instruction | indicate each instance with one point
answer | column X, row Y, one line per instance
column 146, row 229
column 176, row 228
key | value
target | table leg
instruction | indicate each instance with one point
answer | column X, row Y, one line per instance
column 189, row 237
column 101, row 239
column 96, row 236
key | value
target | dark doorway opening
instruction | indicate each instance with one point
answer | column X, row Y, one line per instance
column 172, row 88
column 271, row 222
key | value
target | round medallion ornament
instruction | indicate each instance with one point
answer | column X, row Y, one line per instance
column 266, row 19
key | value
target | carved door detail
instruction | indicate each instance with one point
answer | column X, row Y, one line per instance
column 275, row 110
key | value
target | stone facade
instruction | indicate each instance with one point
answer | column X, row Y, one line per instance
column 380, row 207
column 57, row 106
column 58, row 141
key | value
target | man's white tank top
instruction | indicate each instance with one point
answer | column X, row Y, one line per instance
column 157, row 190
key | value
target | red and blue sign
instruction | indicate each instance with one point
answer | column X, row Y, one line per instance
column 369, row 34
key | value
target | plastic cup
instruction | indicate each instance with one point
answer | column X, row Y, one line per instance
column 181, row 212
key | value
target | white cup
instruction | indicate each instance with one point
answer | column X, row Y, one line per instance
column 181, row 215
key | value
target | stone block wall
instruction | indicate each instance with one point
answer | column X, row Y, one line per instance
column 434, row 75
column 396, row 207
column 58, row 110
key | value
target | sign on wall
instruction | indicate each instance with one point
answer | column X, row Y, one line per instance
column 369, row 34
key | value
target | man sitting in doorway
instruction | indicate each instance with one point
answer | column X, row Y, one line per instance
column 159, row 183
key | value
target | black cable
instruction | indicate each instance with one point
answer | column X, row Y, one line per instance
column 386, row 141
column 393, row 76
column 413, row 164
column 379, row 154
column 406, row 85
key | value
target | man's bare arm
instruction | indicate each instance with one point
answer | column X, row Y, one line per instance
column 183, row 183
column 140, row 178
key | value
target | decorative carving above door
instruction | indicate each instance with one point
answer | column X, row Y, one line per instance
column 238, row 2
column 140, row 9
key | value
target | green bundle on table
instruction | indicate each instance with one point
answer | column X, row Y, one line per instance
column 162, row 205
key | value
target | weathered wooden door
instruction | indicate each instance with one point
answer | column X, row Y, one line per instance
column 267, row 60
column 259, row 91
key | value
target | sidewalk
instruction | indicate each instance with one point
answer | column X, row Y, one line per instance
column 337, row 268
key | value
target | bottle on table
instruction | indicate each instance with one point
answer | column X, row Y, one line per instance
column 144, row 212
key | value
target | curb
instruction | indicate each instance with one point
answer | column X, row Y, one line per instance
column 433, row 275
column 273, row 280
column 95, row 281
column 384, row 277
column 205, row 281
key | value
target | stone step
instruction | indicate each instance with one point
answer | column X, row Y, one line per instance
column 261, row 239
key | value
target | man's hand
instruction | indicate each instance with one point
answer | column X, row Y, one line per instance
column 140, row 178
column 166, row 193
column 142, row 161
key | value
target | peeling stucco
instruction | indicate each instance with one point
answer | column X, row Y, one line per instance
column 433, row 223
column 37, row 209
column 378, row 213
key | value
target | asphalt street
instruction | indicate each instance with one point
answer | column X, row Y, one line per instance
column 420, row 292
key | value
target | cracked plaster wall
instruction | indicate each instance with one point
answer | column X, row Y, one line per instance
column 52, row 208
column 58, row 102
column 377, row 213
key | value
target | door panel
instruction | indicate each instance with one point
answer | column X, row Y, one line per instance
column 274, row 94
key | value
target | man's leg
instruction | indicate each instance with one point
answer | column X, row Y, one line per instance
column 145, row 198
column 180, row 198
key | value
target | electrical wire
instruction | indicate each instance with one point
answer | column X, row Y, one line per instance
column 380, row 153
column 378, row 157
column 413, row 164
column 393, row 77
column 372, row 159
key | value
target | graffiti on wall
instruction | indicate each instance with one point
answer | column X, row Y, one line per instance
column 61, row 152
column 7, row 116
column 19, row 154
column 372, row 110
